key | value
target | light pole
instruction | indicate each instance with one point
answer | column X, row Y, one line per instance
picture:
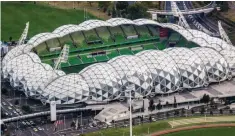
column 20, row 98
column 130, row 115
column 205, row 114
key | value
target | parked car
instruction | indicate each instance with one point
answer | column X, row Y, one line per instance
column 35, row 129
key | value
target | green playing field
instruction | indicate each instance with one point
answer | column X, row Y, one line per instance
column 223, row 131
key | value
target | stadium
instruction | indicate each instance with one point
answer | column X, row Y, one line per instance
column 106, row 57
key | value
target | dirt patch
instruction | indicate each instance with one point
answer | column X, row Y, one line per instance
column 91, row 8
column 230, row 14
column 192, row 127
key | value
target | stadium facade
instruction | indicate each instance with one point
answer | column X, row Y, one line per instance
column 150, row 71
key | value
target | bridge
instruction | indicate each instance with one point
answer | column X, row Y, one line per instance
column 206, row 9
column 46, row 113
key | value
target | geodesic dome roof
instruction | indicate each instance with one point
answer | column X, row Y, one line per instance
column 216, row 66
column 103, row 81
column 67, row 89
column 229, row 56
column 191, row 67
column 147, row 71
column 133, row 70
column 163, row 69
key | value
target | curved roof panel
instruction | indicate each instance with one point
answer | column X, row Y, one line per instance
column 215, row 64
column 68, row 89
column 103, row 80
column 119, row 21
column 163, row 69
column 191, row 67
column 133, row 70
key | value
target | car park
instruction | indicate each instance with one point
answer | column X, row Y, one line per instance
column 35, row 129
column 14, row 112
column 6, row 114
column 23, row 123
column 31, row 122
column 28, row 123
column 39, row 128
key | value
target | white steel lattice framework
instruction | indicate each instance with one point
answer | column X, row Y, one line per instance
column 150, row 72
column 24, row 34
column 176, row 12
column 223, row 34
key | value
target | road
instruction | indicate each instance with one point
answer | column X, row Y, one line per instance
column 195, row 21
column 204, row 21
column 25, row 127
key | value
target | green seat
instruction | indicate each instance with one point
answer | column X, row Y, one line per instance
column 101, row 58
column 75, row 61
column 86, row 59
column 125, row 51
column 149, row 47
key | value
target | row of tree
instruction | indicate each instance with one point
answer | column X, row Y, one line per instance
column 124, row 9
column 159, row 105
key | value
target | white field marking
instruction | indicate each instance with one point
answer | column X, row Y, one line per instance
column 201, row 120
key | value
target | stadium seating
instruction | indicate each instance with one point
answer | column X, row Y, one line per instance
column 129, row 30
column 143, row 31
column 149, row 46
column 125, row 51
column 154, row 30
column 112, row 54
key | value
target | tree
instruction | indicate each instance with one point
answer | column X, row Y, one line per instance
column 3, row 115
column 151, row 104
column 223, row 5
column 136, row 11
column 202, row 110
column 109, row 13
column 114, row 14
column 167, row 103
column 175, row 103
column 4, row 91
column 212, row 102
column 148, row 4
column 182, row 112
column 221, row 111
column 205, row 98
column 119, row 13
column 16, row 102
column 176, row 112
column 211, row 112
column 90, row 3
column 192, row 111
column 104, row 5
column 122, row 5
column 73, row 125
column 226, row 102
column 231, row 111
column 159, row 106
column 142, row 119
column 26, row 108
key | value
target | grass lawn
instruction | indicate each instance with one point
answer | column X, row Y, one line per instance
column 42, row 18
column 142, row 130
column 137, row 130
column 222, row 131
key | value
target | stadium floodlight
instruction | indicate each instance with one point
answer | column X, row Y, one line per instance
column 223, row 34
column 176, row 12
column 24, row 34
column 63, row 58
